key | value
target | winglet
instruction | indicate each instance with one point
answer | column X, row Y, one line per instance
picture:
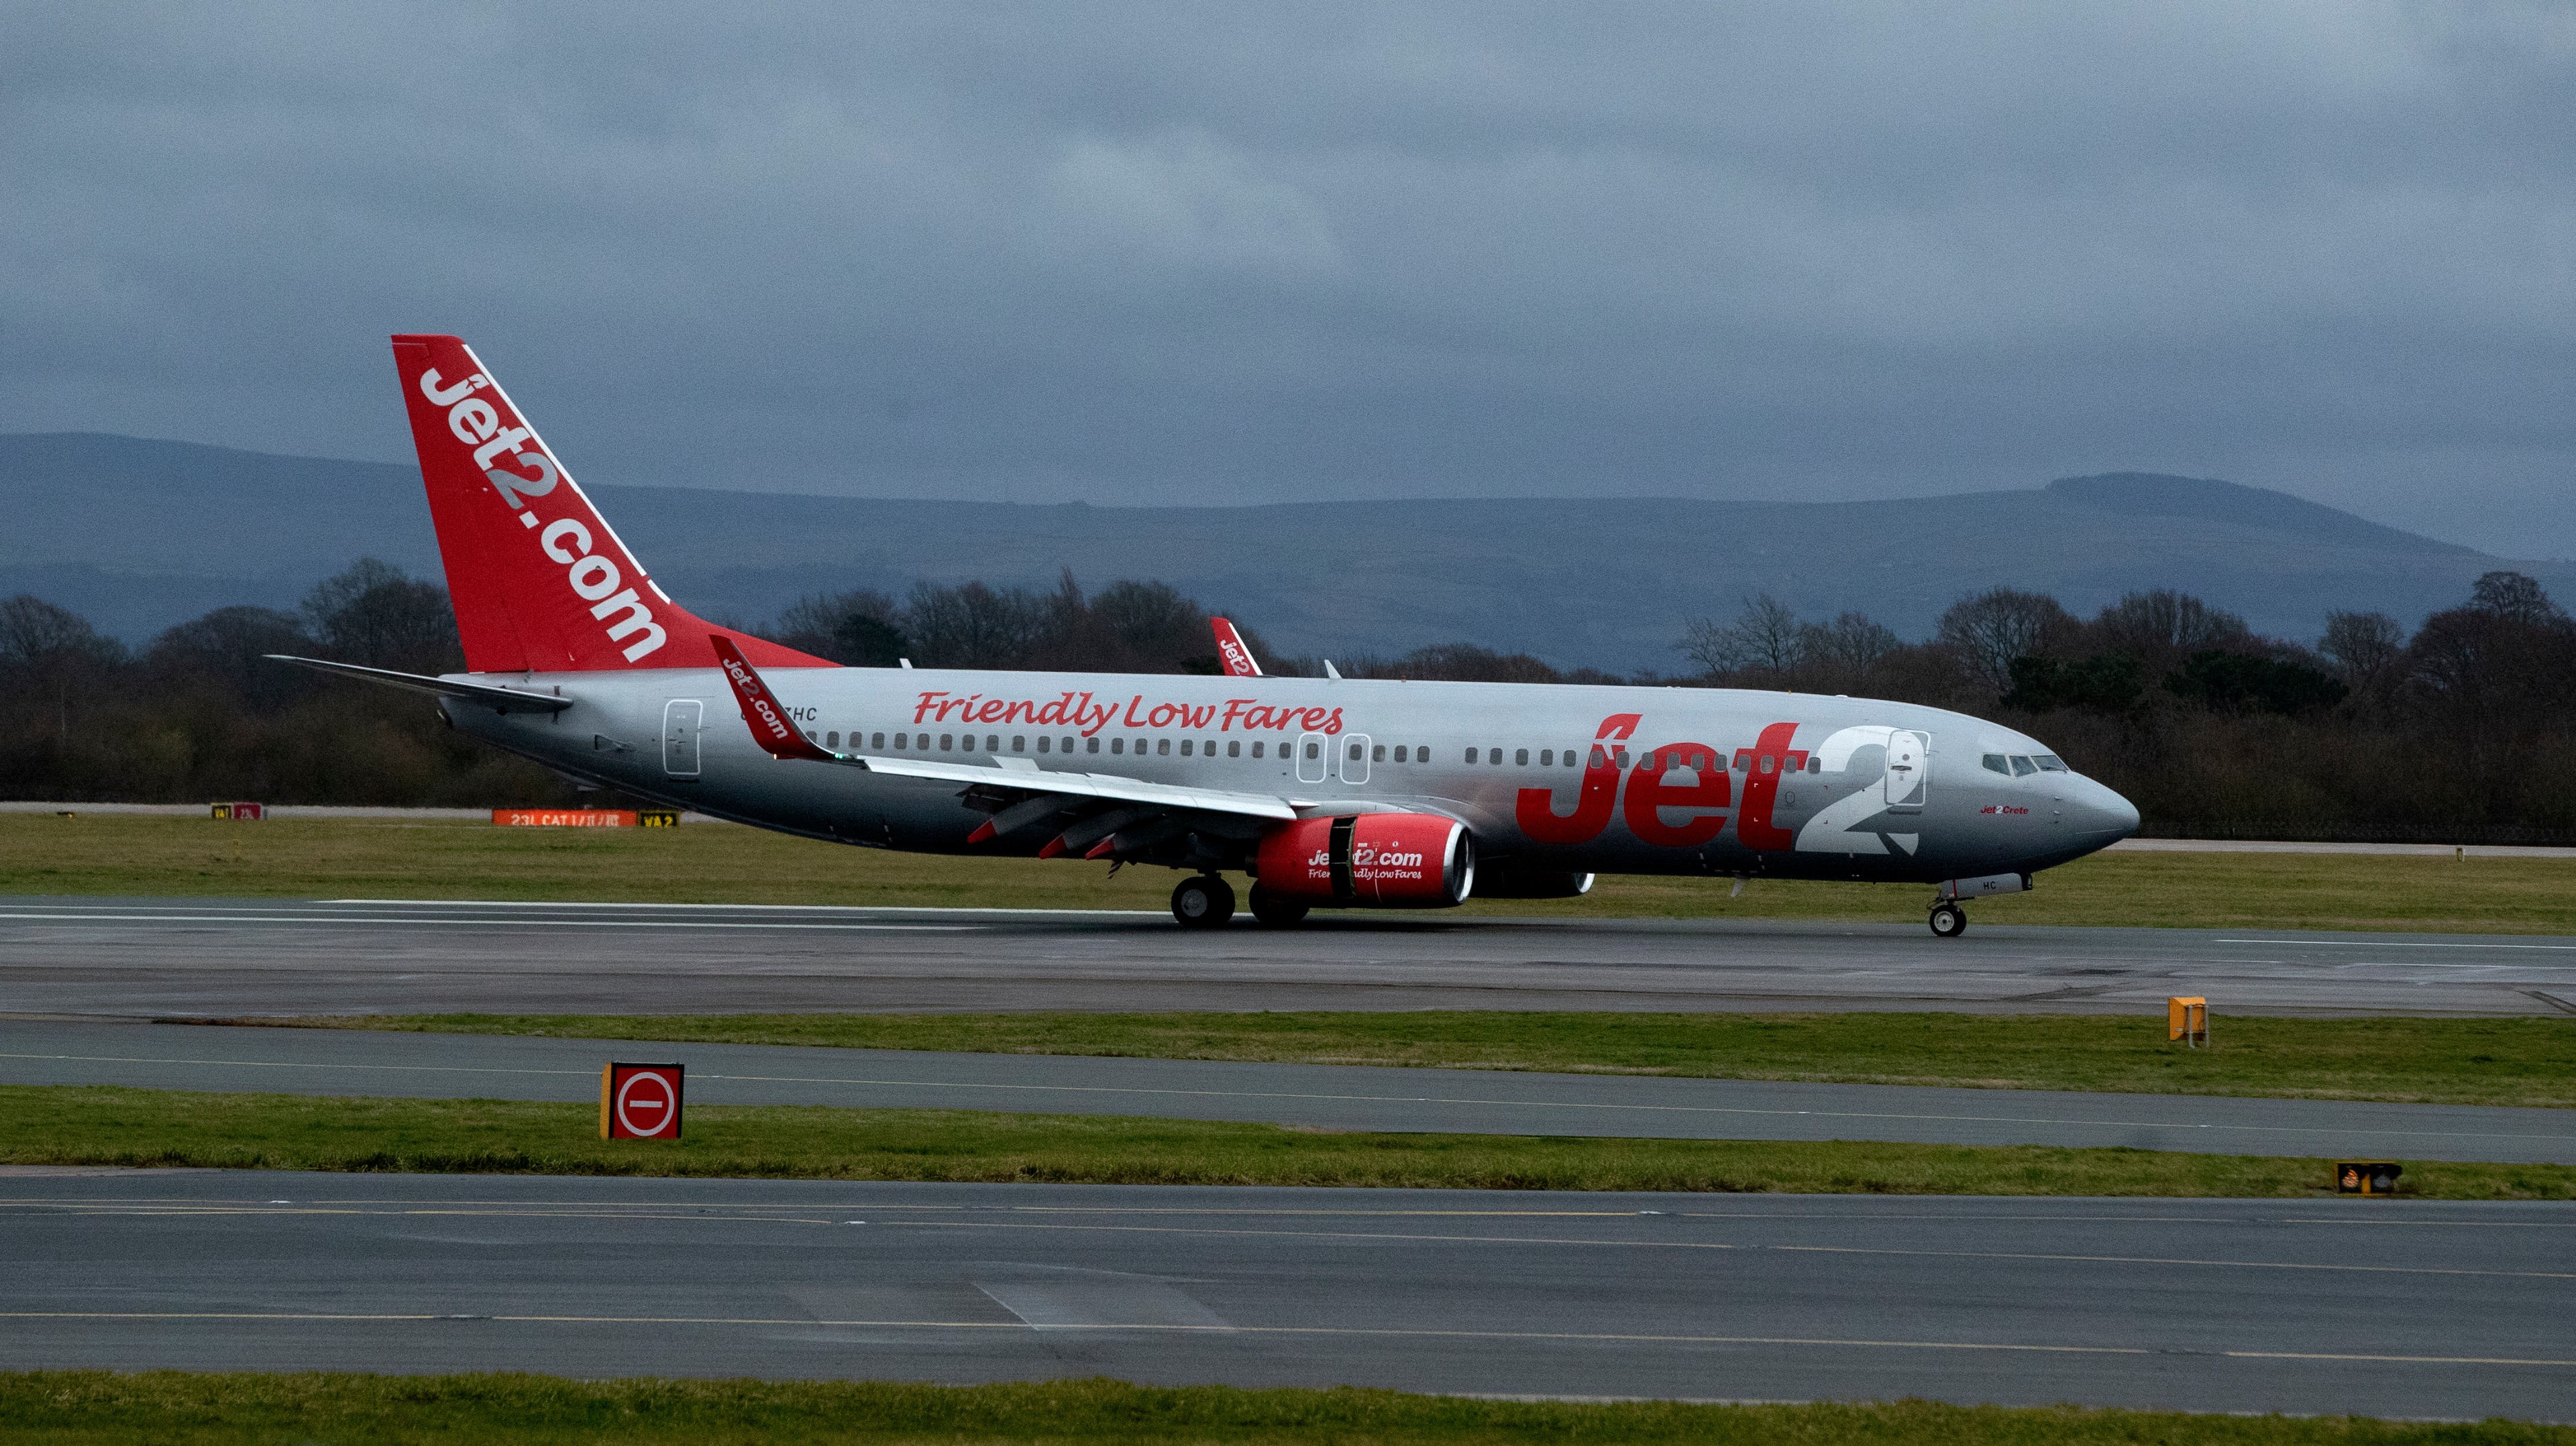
column 1238, row 659
column 770, row 727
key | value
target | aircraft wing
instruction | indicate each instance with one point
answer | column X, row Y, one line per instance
column 776, row 733
column 492, row 695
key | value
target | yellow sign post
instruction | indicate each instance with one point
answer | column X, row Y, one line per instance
column 2187, row 1019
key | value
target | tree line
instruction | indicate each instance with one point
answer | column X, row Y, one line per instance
column 2463, row 727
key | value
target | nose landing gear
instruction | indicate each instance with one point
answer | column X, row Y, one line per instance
column 1203, row 902
column 1948, row 920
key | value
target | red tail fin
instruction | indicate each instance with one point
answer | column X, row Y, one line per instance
column 771, row 728
column 1238, row 659
column 539, row 579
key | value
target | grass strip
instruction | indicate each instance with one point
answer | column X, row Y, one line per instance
column 2419, row 1061
column 105, row 1125
column 79, row 1408
column 164, row 855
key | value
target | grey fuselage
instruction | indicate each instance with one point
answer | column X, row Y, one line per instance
column 675, row 735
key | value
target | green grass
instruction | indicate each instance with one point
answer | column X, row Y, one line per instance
column 100, row 1125
column 2437, row 1061
column 91, row 1408
column 719, row 863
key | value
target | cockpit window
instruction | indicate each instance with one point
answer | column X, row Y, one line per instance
column 2023, row 767
column 2051, row 763
column 1995, row 764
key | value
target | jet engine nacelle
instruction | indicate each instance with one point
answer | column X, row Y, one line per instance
column 1370, row 861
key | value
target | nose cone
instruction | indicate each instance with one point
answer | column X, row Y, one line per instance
column 2100, row 810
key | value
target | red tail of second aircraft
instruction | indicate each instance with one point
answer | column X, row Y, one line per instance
column 539, row 580
column 1238, row 659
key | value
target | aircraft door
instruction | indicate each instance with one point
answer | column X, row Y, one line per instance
column 1311, row 762
column 1355, row 757
column 680, row 720
column 1908, row 770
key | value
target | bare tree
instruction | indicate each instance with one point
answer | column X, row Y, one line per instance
column 2367, row 648
column 2513, row 596
column 1762, row 639
column 1847, row 648
column 2163, row 620
column 1994, row 627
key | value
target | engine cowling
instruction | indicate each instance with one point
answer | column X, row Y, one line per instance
column 1370, row 861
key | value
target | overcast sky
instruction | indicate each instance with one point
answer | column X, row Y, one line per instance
column 1127, row 253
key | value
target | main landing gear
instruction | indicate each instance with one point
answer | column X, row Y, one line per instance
column 1949, row 921
column 1205, row 902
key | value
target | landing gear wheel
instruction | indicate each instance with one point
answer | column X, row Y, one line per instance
column 1204, row 902
column 1949, row 921
column 1275, row 912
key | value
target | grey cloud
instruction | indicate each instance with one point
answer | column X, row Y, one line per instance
column 1132, row 253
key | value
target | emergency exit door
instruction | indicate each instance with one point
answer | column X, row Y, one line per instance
column 681, row 718
column 1907, row 770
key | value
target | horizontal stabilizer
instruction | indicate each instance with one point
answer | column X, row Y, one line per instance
column 491, row 695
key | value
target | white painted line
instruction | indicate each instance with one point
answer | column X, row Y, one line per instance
column 451, row 922
column 2387, row 944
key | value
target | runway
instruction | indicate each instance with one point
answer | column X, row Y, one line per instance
column 182, row 957
column 1340, row 1097
column 2378, row 1307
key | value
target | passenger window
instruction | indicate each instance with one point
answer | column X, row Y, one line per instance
column 1815, row 765
column 1547, row 758
column 1598, row 758
column 1314, row 750
column 1569, row 758
column 1089, row 745
column 946, row 741
column 2050, row 763
column 2023, row 767
column 969, row 741
column 1020, row 742
column 832, row 739
column 1164, row 747
column 1520, row 758
column 1256, row 748
column 879, row 741
column 1043, row 742
column 1355, row 753
column 992, row 742
column 1619, row 756
column 1185, row 748
column 1744, row 760
column 1208, row 747
column 1117, row 745
column 1471, row 755
column 1995, row 764
column 1234, row 748
column 1377, row 754
column 1399, row 753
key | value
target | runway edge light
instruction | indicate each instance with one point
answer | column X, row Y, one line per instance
column 639, row 1101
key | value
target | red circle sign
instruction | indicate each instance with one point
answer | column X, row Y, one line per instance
column 647, row 1104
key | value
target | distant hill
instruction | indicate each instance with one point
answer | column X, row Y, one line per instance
column 138, row 534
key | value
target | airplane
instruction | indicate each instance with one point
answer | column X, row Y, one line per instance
column 1327, row 793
